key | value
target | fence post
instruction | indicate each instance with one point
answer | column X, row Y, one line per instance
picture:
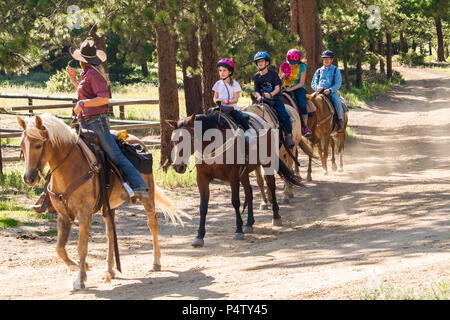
column 30, row 103
column 122, row 112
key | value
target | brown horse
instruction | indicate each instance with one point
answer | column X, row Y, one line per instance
column 232, row 172
column 324, row 130
column 47, row 139
column 299, row 140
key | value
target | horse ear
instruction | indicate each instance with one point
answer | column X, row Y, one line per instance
column 22, row 123
column 172, row 123
column 190, row 120
column 38, row 122
column 253, row 97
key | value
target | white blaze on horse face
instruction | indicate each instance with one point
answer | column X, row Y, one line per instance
column 269, row 161
column 182, row 150
column 213, row 151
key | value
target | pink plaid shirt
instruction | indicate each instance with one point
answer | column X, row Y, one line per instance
column 92, row 85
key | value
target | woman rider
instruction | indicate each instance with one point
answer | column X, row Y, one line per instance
column 92, row 108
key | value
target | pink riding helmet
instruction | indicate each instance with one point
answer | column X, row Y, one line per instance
column 293, row 56
column 227, row 63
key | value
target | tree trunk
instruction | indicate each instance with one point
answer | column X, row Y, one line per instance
column 430, row 51
column 358, row 65
column 100, row 43
column 167, row 85
column 403, row 44
column 192, row 82
column 144, row 68
column 381, row 51
column 271, row 15
column 373, row 65
column 305, row 22
column 208, row 53
column 440, row 39
column 346, row 76
column 388, row 55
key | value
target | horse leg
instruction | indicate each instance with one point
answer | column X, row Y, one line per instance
column 152, row 223
column 270, row 180
column 287, row 191
column 109, row 272
column 260, row 181
column 249, row 200
column 84, row 221
column 341, row 151
column 309, row 177
column 203, row 187
column 64, row 226
column 326, row 141
column 234, row 184
column 333, row 159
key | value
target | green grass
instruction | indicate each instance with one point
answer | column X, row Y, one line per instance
column 436, row 291
column 171, row 179
column 11, row 182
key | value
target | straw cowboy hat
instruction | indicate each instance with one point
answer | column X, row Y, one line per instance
column 88, row 53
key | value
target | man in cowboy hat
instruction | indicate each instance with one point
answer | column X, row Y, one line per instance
column 328, row 80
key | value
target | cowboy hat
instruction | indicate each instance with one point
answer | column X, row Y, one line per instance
column 88, row 53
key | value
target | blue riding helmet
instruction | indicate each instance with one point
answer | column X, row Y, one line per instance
column 261, row 55
column 328, row 54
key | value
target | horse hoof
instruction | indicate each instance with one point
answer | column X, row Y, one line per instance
column 291, row 196
column 78, row 283
column 109, row 275
column 341, row 170
column 285, row 201
column 325, row 172
column 198, row 243
column 248, row 229
column 277, row 222
column 263, row 206
column 335, row 168
column 309, row 178
column 156, row 267
column 238, row 236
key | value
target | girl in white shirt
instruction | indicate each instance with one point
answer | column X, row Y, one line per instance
column 227, row 91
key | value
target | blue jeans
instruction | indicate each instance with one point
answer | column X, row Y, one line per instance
column 283, row 115
column 100, row 125
column 300, row 94
column 337, row 104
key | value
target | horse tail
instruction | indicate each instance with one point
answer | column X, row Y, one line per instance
column 168, row 208
column 287, row 175
column 306, row 147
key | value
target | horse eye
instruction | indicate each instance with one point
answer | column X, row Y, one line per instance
column 38, row 146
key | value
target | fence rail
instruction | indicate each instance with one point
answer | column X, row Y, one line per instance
column 117, row 124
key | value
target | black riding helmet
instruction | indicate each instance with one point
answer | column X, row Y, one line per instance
column 328, row 54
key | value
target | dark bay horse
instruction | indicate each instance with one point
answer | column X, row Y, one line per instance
column 47, row 139
column 232, row 172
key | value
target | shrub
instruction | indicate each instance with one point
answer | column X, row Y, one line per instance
column 59, row 82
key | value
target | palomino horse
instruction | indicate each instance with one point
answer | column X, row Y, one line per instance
column 300, row 141
column 232, row 171
column 323, row 126
column 47, row 139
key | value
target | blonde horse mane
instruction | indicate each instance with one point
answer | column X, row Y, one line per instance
column 58, row 132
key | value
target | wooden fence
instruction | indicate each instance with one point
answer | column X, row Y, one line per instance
column 116, row 124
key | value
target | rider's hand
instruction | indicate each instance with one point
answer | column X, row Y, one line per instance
column 288, row 89
column 260, row 98
column 327, row 91
column 71, row 72
column 77, row 109
column 267, row 95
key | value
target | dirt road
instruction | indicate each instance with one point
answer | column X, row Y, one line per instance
column 386, row 218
